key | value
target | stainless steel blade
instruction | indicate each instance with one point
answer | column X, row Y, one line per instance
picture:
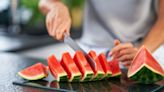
column 68, row 40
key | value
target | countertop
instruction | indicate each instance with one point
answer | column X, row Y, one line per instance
column 12, row 63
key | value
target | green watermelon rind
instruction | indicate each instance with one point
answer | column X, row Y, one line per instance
column 37, row 77
column 98, row 76
column 87, row 77
column 58, row 79
column 62, row 77
column 149, row 77
column 107, row 75
column 75, row 77
column 149, row 67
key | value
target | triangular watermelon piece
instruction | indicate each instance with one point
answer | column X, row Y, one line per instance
column 144, row 68
column 83, row 66
column 114, row 66
column 105, row 66
column 70, row 67
column 56, row 69
column 34, row 72
column 98, row 71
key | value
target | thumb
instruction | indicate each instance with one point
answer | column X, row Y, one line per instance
column 116, row 42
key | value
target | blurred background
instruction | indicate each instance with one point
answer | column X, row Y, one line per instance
column 23, row 30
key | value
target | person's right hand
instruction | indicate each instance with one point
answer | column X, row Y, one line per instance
column 58, row 21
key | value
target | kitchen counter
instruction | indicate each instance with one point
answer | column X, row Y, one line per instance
column 21, row 42
column 12, row 63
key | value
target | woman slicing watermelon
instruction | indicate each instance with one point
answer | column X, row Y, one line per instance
column 133, row 22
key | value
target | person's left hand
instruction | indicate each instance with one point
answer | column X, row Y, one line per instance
column 124, row 52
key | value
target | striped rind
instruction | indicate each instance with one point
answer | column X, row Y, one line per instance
column 61, row 75
column 95, row 77
column 73, row 76
column 87, row 73
column 37, row 77
column 147, row 66
column 146, row 76
column 144, row 65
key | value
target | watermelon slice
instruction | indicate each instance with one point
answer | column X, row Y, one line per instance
column 105, row 66
column 114, row 65
column 144, row 68
column 83, row 66
column 34, row 72
column 56, row 69
column 98, row 71
column 70, row 67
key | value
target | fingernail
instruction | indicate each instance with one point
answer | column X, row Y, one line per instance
column 110, row 53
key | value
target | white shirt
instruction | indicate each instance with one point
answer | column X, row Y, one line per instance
column 129, row 20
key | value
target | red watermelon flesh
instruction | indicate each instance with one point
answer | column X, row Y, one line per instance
column 114, row 66
column 56, row 69
column 83, row 66
column 98, row 71
column 144, row 61
column 70, row 67
column 105, row 66
column 34, row 72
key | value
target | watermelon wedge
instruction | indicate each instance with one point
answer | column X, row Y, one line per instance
column 34, row 72
column 70, row 67
column 144, row 68
column 83, row 66
column 98, row 71
column 114, row 66
column 105, row 66
column 56, row 69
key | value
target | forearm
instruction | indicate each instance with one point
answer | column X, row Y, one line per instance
column 156, row 35
column 47, row 5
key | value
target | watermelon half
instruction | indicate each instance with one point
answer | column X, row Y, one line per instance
column 114, row 66
column 144, row 68
column 70, row 67
column 83, row 66
column 98, row 71
column 105, row 66
column 34, row 72
column 56, row 69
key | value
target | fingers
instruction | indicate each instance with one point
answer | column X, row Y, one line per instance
column 116, row 42
column 126, row 57
column 127, row 51
column 58, row 22
column 120, row 47
column 61, row 30
column 64, row 27
column 126, row 63
column 51, row 26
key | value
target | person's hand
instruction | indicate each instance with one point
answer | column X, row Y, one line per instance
column 124, row 52
column 58, row 21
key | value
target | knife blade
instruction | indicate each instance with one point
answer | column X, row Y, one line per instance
column 68, row 40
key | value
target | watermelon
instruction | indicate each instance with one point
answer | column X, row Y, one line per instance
column 98, row 71
column 70, row 67
column 144, row 68
column 83, row 66
column 34, row 72
column 56, row 69
column 114, row 65
column 105, row 66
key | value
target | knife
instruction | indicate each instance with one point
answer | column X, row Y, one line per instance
column 68, row 40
